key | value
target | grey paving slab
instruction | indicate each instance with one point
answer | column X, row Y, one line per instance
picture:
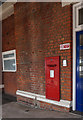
column 15, row 110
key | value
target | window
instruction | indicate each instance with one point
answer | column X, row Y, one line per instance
column 9, row 61
column 79, row 16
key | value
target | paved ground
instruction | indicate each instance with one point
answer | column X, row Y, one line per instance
column 14, row 110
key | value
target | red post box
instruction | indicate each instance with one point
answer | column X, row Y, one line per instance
column 52, row 78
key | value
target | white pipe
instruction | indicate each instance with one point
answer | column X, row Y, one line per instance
column 74, row 64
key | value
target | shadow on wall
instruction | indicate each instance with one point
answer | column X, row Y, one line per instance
column 7, row 98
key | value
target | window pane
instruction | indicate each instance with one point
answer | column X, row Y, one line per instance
column 81, row 39
column 9, row 64
column 81, row 16
column 8, row 55
column 81, row 53
column 81, row 63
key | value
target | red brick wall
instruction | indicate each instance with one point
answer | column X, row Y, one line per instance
column 40, row 28
column 8, row 43
column 0, row 55
column 40, row 104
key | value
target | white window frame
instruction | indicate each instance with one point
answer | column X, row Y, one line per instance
column 9, row 58
column 77, row 16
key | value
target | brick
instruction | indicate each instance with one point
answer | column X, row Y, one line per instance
column 40, row 28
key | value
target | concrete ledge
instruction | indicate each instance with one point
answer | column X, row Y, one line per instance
column 63, row 103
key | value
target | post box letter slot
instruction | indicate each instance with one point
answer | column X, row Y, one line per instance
column 52, row 65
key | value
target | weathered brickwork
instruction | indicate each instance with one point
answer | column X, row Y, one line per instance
column 42, row 105
column 40, row 28
column 36, row 31
column 8, row 43
column 8, row 36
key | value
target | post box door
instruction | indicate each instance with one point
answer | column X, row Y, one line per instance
column 52, row 78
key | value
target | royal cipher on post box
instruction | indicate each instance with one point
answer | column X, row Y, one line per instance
column 52, row 74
